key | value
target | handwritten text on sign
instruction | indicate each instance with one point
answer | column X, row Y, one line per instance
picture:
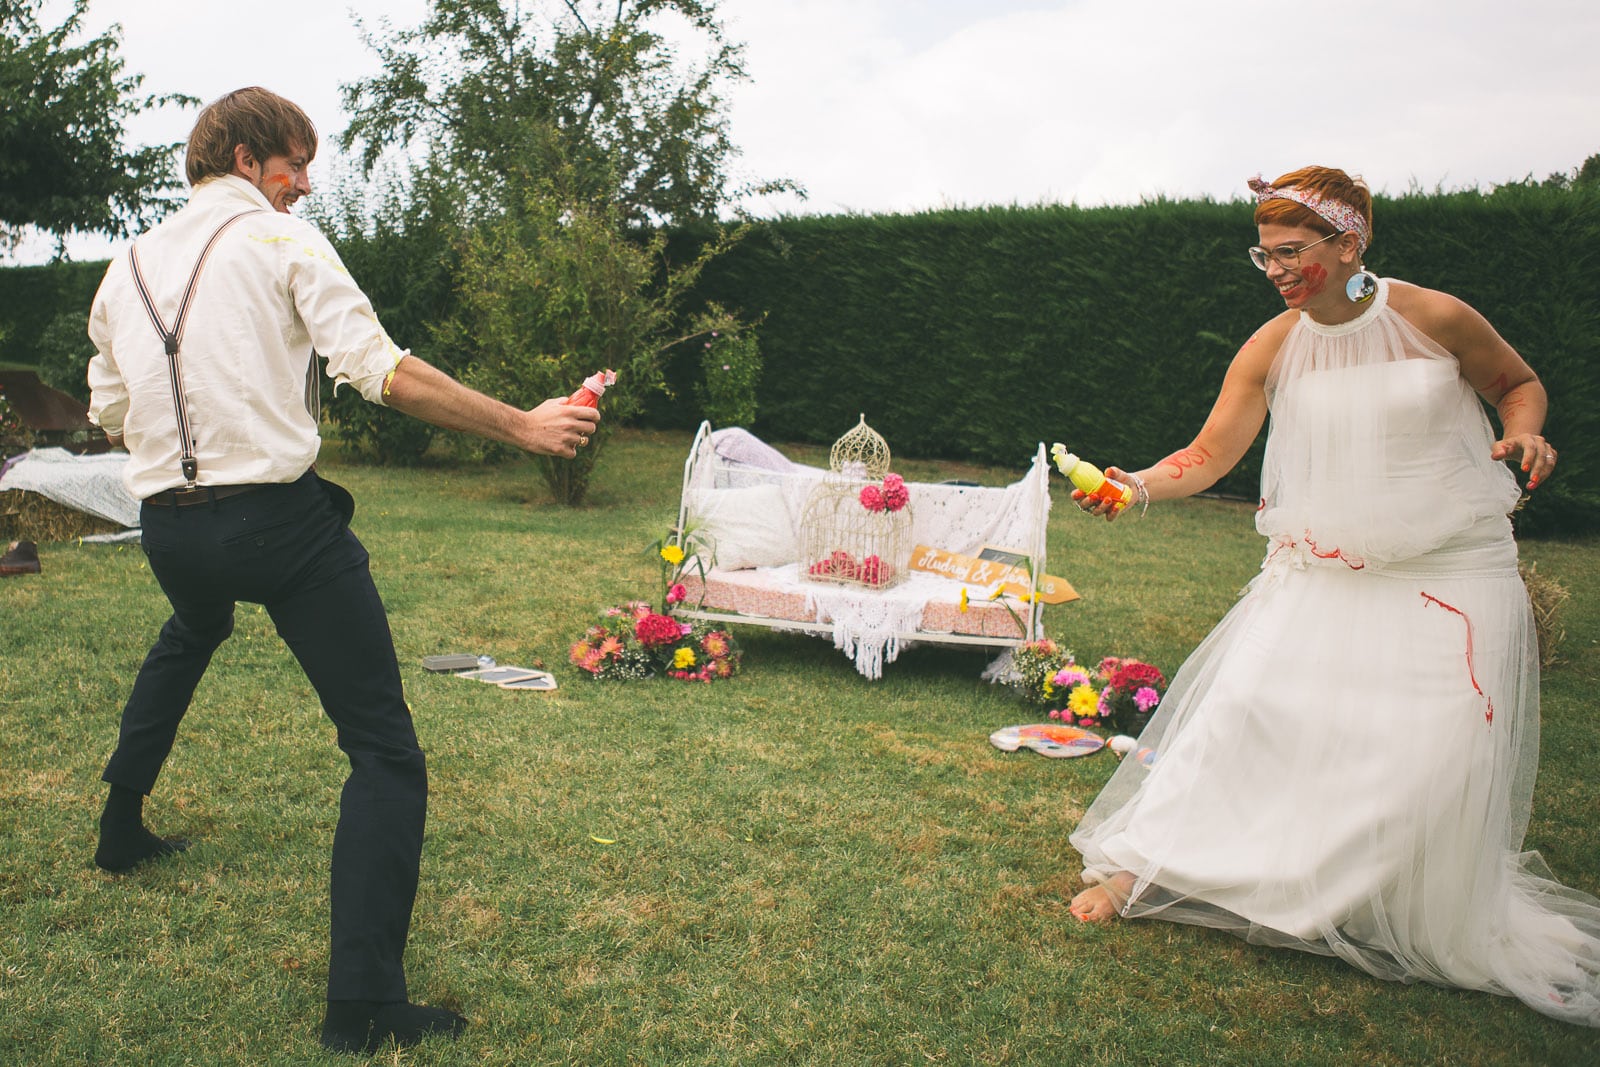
column 985, row 572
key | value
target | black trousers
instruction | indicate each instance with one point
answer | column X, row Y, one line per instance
column 288, row 548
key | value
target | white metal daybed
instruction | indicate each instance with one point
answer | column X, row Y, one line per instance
column 741, row 508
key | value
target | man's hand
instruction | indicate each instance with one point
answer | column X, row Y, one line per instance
column 557, row 428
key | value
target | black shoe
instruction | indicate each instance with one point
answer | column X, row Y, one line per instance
column 21, row 558
column 119, row 854
column 367, row 1026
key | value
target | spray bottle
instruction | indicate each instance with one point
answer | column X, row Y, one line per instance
column 588, row 394
column 1091, row 480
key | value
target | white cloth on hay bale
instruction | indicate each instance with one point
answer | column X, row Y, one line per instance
column 90, row 484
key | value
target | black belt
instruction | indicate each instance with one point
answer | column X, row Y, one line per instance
column 200, row 494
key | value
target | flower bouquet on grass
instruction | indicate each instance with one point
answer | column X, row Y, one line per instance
column 1033, row 669
column 634, row 640
column 1133, row 690
column 1073, row 687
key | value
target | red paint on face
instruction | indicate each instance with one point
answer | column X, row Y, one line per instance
column 1313, row 280
column 1316, row 279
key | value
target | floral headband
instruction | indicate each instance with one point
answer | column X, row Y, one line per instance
column 1338, row 214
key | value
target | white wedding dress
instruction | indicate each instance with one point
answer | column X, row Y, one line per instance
column 1346, row 763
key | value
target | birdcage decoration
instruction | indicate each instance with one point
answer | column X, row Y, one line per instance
column 856, row 527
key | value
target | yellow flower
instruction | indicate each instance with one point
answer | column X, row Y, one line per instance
column 1083, row 702
column 683, row 659
column 962, row 605
column 672, row 554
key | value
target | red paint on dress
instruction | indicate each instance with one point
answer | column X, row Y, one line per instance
column 1472, row 675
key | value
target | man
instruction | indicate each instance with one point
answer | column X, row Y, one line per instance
column 214, row 323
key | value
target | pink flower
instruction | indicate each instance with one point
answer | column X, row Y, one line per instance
column 677, row 593
column 893, row 481
column 895, row 497
column 1055, row 713
column 1146, row 698
column 1067, row 677
column 872, row 498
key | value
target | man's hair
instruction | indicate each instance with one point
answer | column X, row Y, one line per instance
column 1327, row 183
column 262, row 121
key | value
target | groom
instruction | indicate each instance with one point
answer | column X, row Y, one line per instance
column 208, row 335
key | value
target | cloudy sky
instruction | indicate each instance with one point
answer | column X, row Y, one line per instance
column 902, row 105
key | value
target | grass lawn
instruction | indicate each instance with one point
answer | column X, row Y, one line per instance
column 807, row 867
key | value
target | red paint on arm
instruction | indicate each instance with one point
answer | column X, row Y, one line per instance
column 1183, row 460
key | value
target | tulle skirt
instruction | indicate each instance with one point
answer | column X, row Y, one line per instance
column 1345, row 766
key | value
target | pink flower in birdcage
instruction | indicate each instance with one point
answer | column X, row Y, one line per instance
column 872, row 498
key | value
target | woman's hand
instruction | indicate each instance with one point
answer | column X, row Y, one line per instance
column 1107, row 508
column 1538, row 458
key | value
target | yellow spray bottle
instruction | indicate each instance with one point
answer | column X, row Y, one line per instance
column 1091, row 479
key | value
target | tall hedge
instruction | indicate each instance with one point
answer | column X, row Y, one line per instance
column 973, row 334
column 30, row 297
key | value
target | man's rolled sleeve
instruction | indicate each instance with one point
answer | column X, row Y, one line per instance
column 343, row 327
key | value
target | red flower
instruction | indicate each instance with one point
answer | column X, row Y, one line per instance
column 655, row 630
column 1133, row 675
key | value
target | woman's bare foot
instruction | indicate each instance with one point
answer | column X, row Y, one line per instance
column 1103, row 901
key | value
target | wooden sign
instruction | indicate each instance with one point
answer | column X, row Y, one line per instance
column 991, row 567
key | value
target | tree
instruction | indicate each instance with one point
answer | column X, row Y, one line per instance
column 553, row 139
column 64, row 165
column 496, row 97
column 557, row 290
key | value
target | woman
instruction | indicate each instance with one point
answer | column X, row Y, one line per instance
column 1345, row 765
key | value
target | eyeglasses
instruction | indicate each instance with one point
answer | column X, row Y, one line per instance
column 1287, row 256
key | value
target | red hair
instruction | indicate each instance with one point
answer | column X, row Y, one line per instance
column 1328, row 183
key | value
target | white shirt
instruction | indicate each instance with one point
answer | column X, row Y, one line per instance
column 273, row 292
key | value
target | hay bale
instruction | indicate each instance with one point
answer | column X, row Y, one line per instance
column 30, row 516
column 1545, row 597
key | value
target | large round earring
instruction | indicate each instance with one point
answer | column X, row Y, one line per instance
column 1361, row 287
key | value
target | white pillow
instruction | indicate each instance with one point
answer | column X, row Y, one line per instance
column 747, row 527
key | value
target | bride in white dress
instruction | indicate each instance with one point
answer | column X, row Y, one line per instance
column 1345, row 765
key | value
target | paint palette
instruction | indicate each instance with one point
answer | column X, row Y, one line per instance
column 1048, row 739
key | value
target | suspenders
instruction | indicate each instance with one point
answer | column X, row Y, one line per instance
column 173, row 338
